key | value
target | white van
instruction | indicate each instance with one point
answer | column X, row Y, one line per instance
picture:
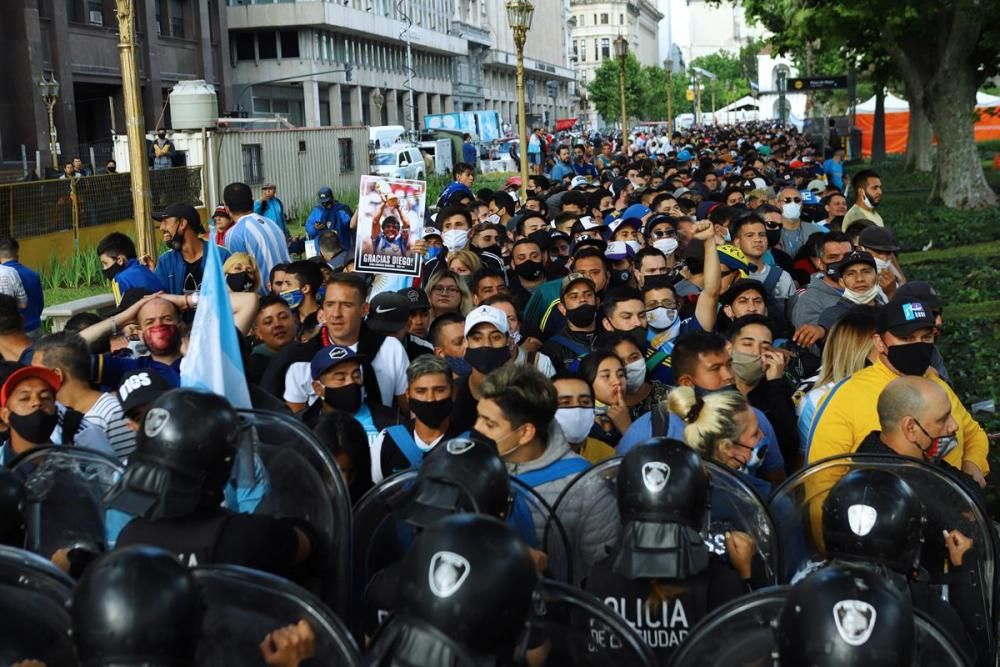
column 400, row 161
column 383, row 136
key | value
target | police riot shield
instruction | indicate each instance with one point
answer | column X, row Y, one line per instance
column 572, row 627
column 797, row 507
column 33, row 605
column 588, row 509
column 242, row 606
column 381, row 539
column 65, row 489
column 749, row 625
column 282, row 470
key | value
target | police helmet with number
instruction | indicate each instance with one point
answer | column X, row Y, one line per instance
column 183, row 456
column 467, row 591
column 873, row 515
column 846, row 616
column 136, row 606
column 459, row 475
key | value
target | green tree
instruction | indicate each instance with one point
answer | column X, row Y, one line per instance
column 942, row 51
column 604, row 90
column 653, row 105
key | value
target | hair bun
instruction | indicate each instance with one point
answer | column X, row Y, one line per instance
column 692, row 414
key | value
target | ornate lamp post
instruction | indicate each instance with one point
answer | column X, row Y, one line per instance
column 519, row 15
column 585, row 111
column 668, row 64
column 50, row 95
column 621, row 52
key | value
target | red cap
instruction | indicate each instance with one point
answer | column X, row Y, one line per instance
column 22, row 374
column 513, row 180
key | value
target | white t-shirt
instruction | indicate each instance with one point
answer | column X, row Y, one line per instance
column 376, row 452
column 11, row 285
column 389, row 365
column 107, row 415
column 542, row 362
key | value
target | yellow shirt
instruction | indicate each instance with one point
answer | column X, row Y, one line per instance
column 857, row 213
column 848, row 413
column 596, row 451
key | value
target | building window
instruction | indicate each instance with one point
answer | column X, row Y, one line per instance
column 605, row 48
column 345, row 147
column 604, row 19
column 583, row 52
column 252, row 168
column 267, row 45
column 177, row 18
column 621, row 19
column 290, row 44
column 244, row 46
column 576, row 49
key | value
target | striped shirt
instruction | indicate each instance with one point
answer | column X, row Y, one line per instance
column 11, row 285
column 107, row 415
column 261, row 239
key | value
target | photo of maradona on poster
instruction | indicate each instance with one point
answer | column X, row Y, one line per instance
column 390, row 221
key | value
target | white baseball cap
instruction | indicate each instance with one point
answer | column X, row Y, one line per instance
column 489, row 315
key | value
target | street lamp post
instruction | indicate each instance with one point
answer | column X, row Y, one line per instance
column 621, row 52
column 519, row 15
column 50, row 94
column 669, row 65
column 135, row 124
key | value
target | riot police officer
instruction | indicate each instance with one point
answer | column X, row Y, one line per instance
column 12, row 502
column 843, row 616
column 874, row 519
column 175, row 482
column 465, row 598
column 662, row 578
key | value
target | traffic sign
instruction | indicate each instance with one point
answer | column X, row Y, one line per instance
column 816, row 83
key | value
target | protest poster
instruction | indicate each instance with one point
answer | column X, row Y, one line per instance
column 390, row 222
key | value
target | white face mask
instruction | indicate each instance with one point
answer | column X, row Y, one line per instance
column 634, row 245
column 881, row 265
column 493, row 219
column 666, row 246
column 756, row 458
column 575, row 423
column 661, row 318
column 791, row 211
column 456, row 239
column 635, row 374
column 861, row 298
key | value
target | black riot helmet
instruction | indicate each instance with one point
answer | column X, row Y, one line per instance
column 873, row 515
column 844, row 616
column 13, row 498
column 663, row 499
column 137, row 606
column 459, row 475
column 183, row 456
column 466, row 593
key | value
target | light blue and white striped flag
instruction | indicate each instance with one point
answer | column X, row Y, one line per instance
column 213, row 361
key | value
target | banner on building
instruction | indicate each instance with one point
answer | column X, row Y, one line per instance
column 390, row 222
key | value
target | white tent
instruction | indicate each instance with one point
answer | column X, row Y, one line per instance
column 892, row 104
column 985, row 100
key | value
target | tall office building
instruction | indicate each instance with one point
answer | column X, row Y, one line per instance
column 76, row 42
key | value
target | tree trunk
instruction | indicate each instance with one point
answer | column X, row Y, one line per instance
column 918, row 140
column 959, row 181
column 878, row 129
column 809, row 72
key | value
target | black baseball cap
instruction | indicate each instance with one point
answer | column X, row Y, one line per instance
column 659, row 219
column 417, row 298
column 388, row 312
column 902, row 317
column 181, row 211
column 919, row 290
column 855, row 257
column 141, row 387
column 878, row 238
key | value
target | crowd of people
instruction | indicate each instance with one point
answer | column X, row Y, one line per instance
column 641, row 353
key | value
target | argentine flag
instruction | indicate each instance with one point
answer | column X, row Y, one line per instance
column 213, row 361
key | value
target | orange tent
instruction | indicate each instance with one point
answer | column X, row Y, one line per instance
column 897, row 122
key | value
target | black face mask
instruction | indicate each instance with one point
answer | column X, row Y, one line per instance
column 911, row 359
column 487, row 359
column 637, row 336
column 833, row 270
column 582, row 316
column 176, row 241
column 773, row 237
column 346, row 398
column 698, row 391
column 620, row 277
column 239, row 282
column 530, row 270
column 494, row 249
column 432, row 413
column 35, row 427
column 113, row 270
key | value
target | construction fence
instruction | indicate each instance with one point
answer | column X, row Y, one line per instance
column 59, row 217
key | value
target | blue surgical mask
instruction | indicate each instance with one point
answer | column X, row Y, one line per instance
column 459, row 366
column 434, row 251
column 293, row 298
column 756, row 457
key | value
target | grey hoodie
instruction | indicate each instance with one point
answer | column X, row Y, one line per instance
column 589, row 514
column 811, row 303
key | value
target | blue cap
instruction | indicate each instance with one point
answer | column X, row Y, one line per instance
column 685, row 156
column 635, row 211
column 325, row 193
column 330, row 356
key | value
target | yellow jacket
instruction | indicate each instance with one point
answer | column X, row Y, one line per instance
column 848, row 413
